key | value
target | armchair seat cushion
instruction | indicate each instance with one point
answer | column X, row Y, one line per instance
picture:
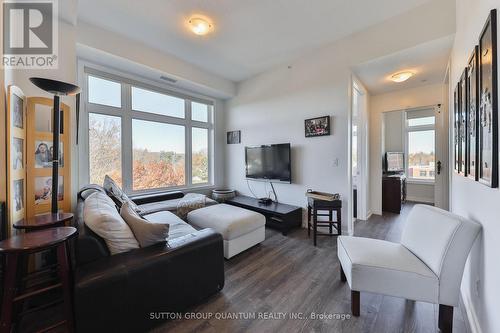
column 379, row 266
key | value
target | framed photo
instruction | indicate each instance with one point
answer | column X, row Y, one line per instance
column 17, row 111
column 233, row 137
column 43, row 190
column 456, row 128
column 17, row 153
column 44, row 153
column 471, row 167
column 488, row 103
column 18, row 195
column 463, row 116
column 317, row 126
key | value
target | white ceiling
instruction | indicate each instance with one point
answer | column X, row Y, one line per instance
column 250, row 36
column 428, row 61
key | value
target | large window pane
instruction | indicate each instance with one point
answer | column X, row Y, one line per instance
column 199, row 112
column 422, row 121
column 421, row 157
column 158, row 155
column 104, row 92
column 153, row 102
column 200, row 155
column 105, row 148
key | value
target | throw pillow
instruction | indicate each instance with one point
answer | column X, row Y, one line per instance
column 117, row 194
column 101, row 216
column 147, row 233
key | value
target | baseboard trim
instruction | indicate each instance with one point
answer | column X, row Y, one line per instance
column 469, row 316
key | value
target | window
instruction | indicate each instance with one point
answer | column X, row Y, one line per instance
column 420, row 145
column 145, row 138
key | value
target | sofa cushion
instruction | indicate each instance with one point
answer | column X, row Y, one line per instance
column 146, row 232
column 230, row 221
column 117, row 194
column 101, row 216
column 379, row 266
column 177, row 227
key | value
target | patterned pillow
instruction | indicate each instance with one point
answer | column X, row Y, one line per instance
column 117, row 194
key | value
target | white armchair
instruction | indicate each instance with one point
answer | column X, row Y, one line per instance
column 426, row 266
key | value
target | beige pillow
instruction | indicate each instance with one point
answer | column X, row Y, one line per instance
column 147, row 233
column 102, row 217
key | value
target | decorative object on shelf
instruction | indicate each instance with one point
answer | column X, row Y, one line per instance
column 317, row 126
column 463, row 123
column 221, row 195
column 16, row 156
column 233, row 137
column 456, row 128
column 473, row 115
column 488, row 103
column 57, row 88
column 322, row 195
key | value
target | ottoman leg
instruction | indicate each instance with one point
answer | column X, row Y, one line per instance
column 355, row 303
column 343, row 278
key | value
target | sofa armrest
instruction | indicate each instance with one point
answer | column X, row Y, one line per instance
column 119, row 292
column 156, row 197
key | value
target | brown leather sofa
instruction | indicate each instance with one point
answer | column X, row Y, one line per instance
column 121, row 293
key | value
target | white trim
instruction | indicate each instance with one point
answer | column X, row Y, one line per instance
column 127, row 115
column 471, row 313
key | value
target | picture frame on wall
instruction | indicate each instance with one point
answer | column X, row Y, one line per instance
column 456, row 128
column 233, row 137
column 319, row 126
column 463, row 124
column 473, row 116
column 488, row 103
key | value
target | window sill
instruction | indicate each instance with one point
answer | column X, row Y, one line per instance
column 185, row 189
column 420, row 182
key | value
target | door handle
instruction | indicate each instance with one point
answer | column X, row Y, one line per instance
column 438, row 167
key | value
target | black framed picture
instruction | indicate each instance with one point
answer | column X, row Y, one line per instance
column 488, row 103
column 317, row 126
column 463, row 124
column 472, row 112
column 456, row 128
column 233, row 137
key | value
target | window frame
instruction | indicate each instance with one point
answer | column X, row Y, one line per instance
column 417, row 128
column 127, row 114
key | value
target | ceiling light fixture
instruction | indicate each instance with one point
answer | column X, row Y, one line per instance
column 200, row 26
column 402, row 76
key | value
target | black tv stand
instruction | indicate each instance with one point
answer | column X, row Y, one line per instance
column 279, row 216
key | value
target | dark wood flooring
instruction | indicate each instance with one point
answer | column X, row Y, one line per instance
column 287, row 274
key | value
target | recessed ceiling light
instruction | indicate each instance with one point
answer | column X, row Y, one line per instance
column 200, row 26
column 402, row 76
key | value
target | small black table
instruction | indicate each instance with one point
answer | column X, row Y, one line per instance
column 315, row 205
column 279, row 216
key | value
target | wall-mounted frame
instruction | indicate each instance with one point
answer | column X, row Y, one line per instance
column 233, row 137
column 16, row 155
column 463, row 116
column 473, row 116
column 456, row 128
column 317, row 126
column 488, row 103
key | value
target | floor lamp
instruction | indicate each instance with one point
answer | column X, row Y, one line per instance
column 58, row 89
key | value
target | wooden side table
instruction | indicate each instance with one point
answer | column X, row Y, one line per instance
column 313, row 207
column 44, row 221
column 33, row 242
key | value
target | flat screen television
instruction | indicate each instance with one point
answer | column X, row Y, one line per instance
column 269, row 162
column 394, row 162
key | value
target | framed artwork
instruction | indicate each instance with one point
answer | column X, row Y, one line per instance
column 472, row 121
column 44, row 153
column 463, row 116
column 43, row 190
column 488, row 103
column 317, row 126
column 233, row 137
column 456, row 128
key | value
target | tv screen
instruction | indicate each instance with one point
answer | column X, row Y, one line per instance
column 394, row 162
column 269, row 162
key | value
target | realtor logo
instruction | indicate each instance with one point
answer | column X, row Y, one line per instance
column 30, row 34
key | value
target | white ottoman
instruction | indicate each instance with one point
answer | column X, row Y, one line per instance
column 240, row 228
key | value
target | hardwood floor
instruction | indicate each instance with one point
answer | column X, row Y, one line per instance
column 287, row 274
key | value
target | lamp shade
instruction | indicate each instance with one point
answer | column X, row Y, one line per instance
column 55, row 87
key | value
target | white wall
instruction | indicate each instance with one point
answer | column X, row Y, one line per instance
column 480, row 284
column 397, row 100
column 271, row 107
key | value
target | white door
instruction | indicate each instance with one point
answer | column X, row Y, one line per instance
column 359, row 153
column 442, row 163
